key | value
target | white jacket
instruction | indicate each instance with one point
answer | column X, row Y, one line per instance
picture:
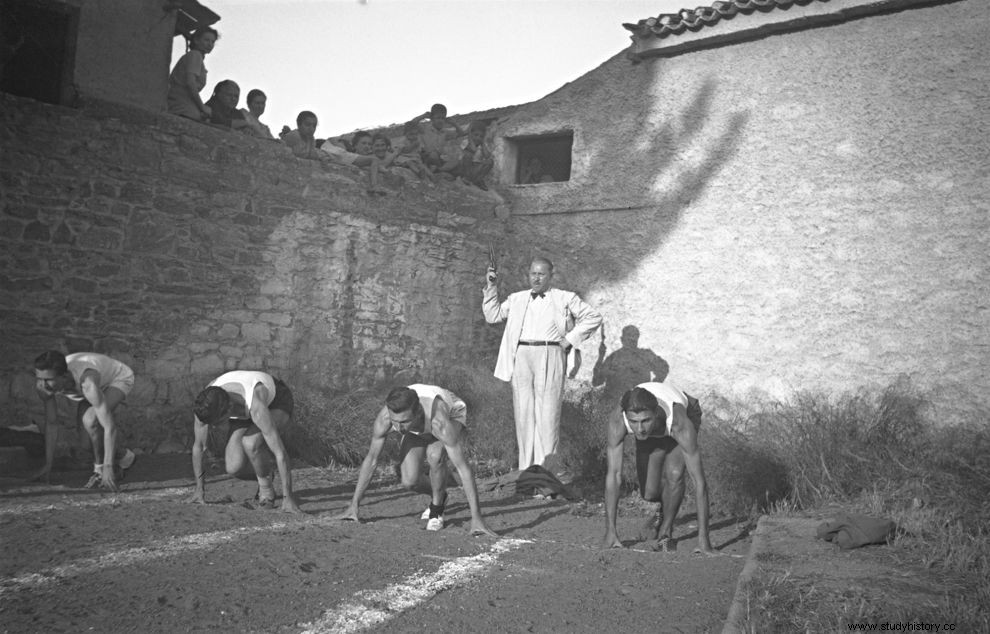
column 513, row 309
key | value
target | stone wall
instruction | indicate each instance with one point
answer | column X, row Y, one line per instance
column 802, row 211
column 186, row 251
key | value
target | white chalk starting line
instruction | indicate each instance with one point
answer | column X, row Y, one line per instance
column 157, row 549
column 366, row 609
column 371, row 608
column 104, row 499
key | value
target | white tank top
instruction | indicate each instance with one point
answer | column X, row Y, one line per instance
column 243, row 382
column 666, row 395
column 427, row 394
column 110, row 371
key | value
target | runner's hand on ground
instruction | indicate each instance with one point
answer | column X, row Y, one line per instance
column 350, row 515
column 108, row 479
column 289, row 505
column 479, row 528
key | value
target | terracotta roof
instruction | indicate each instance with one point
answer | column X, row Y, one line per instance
column 670, row 24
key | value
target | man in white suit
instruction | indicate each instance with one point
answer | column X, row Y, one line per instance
column 533, row 354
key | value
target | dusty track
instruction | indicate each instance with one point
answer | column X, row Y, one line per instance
column 144, row 560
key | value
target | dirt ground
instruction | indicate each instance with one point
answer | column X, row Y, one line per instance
column 145, row 560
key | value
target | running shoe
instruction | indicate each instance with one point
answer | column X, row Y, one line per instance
column 435, row 523
column 94, row 481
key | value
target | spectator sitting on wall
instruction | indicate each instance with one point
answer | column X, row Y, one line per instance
column 256, row 102
column 381, row 149
column 362, row 156
column 476, row 156
column 188, row 77
column 434, row 136
column 409, row 155
column 223, row 106
column 302, row 140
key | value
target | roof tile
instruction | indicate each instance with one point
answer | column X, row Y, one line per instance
column 668, row 24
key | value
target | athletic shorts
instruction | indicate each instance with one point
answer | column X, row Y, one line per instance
column 417, row 440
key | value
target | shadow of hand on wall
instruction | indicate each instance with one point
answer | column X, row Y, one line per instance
column 674, row 165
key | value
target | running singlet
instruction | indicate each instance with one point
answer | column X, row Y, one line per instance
column 427, row 394
column 667, row 395
column 242, row 382
column 111, row 371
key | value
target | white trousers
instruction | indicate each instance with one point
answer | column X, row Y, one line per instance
column 537, row 393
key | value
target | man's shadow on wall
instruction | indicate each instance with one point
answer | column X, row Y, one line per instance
column 626, row 367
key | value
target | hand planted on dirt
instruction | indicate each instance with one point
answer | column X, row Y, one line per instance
column 612, row 541
column 709, row 551
column 481, row 529
column 347, row 516
column 109, row 480
column 196, row 498
column 289, row 505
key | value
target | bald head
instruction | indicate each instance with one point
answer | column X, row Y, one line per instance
column 540, row 274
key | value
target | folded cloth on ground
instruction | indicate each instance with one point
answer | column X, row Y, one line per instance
column 531, row 481
column 853, row 530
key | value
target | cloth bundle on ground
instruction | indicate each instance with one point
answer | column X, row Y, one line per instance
column 852, row 530
column 531, row 481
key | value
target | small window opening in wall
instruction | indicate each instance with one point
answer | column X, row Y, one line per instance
column 37, row 48
column 543, row 159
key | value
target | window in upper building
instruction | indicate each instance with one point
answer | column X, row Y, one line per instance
column 37, row 49
column 541, row 159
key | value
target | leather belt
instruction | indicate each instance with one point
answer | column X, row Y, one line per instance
column 539, row 343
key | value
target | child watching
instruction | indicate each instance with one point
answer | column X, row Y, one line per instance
column 476, row 156
column 302, row 140
column 362, row 156
column 434, row 137
column 409, row 155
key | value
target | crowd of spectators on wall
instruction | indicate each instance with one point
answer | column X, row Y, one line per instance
column 423, row 153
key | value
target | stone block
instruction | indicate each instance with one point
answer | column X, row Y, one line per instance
column 37, row 232
column 207, row 365
column 256, row 332
column 25, row 284
column 258, row 303
column 228, row 331
column 279, row 319
column 22, row 386
column 143, row 393
column 231, row 352
column 11, row 229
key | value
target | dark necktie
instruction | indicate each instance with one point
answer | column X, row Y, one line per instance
column 534, row 294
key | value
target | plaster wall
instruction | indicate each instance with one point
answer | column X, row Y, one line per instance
column 123, row 51
column 186, row 251
column 804, row 211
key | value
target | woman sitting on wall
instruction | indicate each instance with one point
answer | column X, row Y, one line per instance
column 188, row 77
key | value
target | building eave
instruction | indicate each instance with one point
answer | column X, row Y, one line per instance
column 727, row 22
